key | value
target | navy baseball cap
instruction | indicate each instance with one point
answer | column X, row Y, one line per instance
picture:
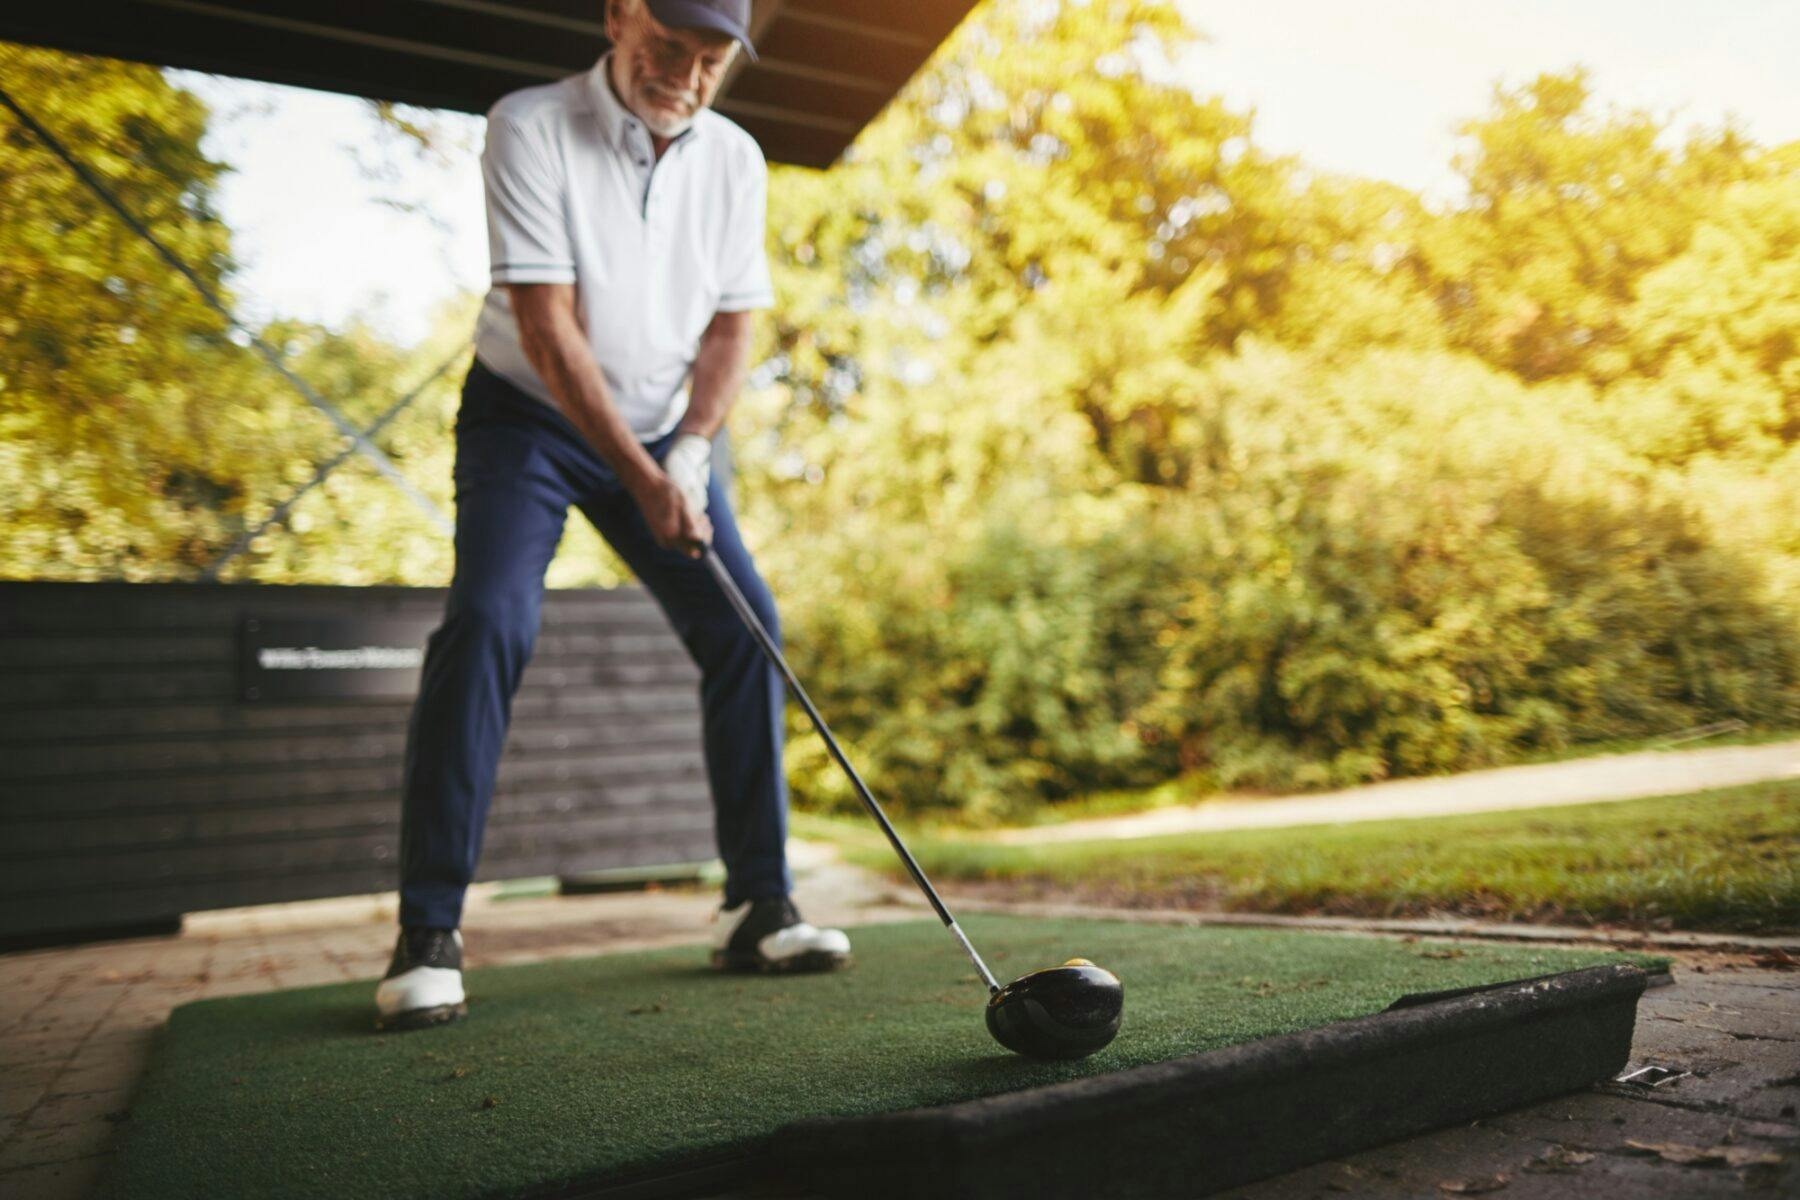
column 730, row 17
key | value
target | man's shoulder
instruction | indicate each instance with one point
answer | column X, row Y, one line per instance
column 541, row 104
column 734, row 144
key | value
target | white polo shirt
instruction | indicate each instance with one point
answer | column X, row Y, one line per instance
column 575, row 194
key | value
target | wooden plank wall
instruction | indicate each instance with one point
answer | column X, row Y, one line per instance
column 135, row 785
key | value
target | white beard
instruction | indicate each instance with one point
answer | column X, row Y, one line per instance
column 667, row 127
column 664, row 125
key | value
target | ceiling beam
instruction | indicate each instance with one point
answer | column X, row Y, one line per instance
column 827, row 67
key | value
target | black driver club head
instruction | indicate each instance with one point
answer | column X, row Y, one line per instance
column 1060, row 1012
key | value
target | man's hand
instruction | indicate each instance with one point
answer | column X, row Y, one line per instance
column 675, row 523
column 689, row 464
column 556, row 347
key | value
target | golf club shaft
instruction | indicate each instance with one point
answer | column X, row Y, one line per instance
column 769, row 648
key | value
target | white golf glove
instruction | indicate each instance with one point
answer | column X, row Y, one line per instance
column 689, row 464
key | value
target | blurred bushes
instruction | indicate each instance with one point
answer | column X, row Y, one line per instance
column 1095, row 447
column 1396, row 566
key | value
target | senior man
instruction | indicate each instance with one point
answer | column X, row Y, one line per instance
column 625, row 221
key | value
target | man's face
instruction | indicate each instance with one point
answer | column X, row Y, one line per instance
column 665, row 75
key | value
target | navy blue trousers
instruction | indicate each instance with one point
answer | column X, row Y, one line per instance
column 520, row 465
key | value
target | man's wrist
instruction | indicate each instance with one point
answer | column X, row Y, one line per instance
column 641, row 473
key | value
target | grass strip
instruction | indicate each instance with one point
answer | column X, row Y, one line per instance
column 1727, row 859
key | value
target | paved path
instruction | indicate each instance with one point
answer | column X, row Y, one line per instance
column 1541, row 785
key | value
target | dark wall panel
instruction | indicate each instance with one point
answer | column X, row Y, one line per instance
column 135, row 784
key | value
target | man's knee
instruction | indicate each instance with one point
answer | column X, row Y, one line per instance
column 719, row 634
column 503, row 621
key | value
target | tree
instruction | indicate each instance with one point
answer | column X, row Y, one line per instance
column 1567, row 211
column 1095, row 445
column 1713, row 335
column 139, row 437
column 100, row 339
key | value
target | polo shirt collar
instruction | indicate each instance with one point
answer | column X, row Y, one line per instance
column 615, row 119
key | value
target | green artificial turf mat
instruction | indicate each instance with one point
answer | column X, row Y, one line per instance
column 583, row 1068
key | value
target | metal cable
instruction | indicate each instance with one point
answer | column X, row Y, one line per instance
column 359, row 442
column 282, row 510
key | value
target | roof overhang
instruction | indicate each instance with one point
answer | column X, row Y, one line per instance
column 826, row 66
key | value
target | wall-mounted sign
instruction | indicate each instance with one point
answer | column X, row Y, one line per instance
column 377, row 659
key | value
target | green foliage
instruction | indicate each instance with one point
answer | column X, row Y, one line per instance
column 999, row 670
column 1426, row 572
column 139, row 436
column 98, row 340
column 1091, row 445
column 1567, row 211
column 1096, row 446
column 1713, row 333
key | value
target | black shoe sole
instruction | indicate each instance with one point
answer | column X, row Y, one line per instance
column 422, row 1018
column 807, row 962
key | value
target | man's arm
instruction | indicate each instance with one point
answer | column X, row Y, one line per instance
column 720, row 365
column 551, row 336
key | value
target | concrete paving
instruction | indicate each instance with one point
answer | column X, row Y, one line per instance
column 77, row 1024
column 1540, row 785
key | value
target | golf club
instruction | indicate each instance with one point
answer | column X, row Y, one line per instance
column 1068, row 1011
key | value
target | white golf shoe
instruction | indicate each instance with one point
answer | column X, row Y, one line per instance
column 423, row 985
column 770, row 936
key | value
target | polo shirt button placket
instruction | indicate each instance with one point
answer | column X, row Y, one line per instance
column 658, row 218
column 638, row 143
column 653, row 188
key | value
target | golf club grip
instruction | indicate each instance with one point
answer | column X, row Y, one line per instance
column 774, row 654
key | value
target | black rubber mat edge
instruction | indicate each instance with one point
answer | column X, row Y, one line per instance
column 1212, row 1121
column 684, row 1182
column 1653, row 977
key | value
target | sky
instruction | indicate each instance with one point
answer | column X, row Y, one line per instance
column 1372, row 88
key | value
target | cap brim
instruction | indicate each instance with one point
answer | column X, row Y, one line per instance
column 682, row 14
